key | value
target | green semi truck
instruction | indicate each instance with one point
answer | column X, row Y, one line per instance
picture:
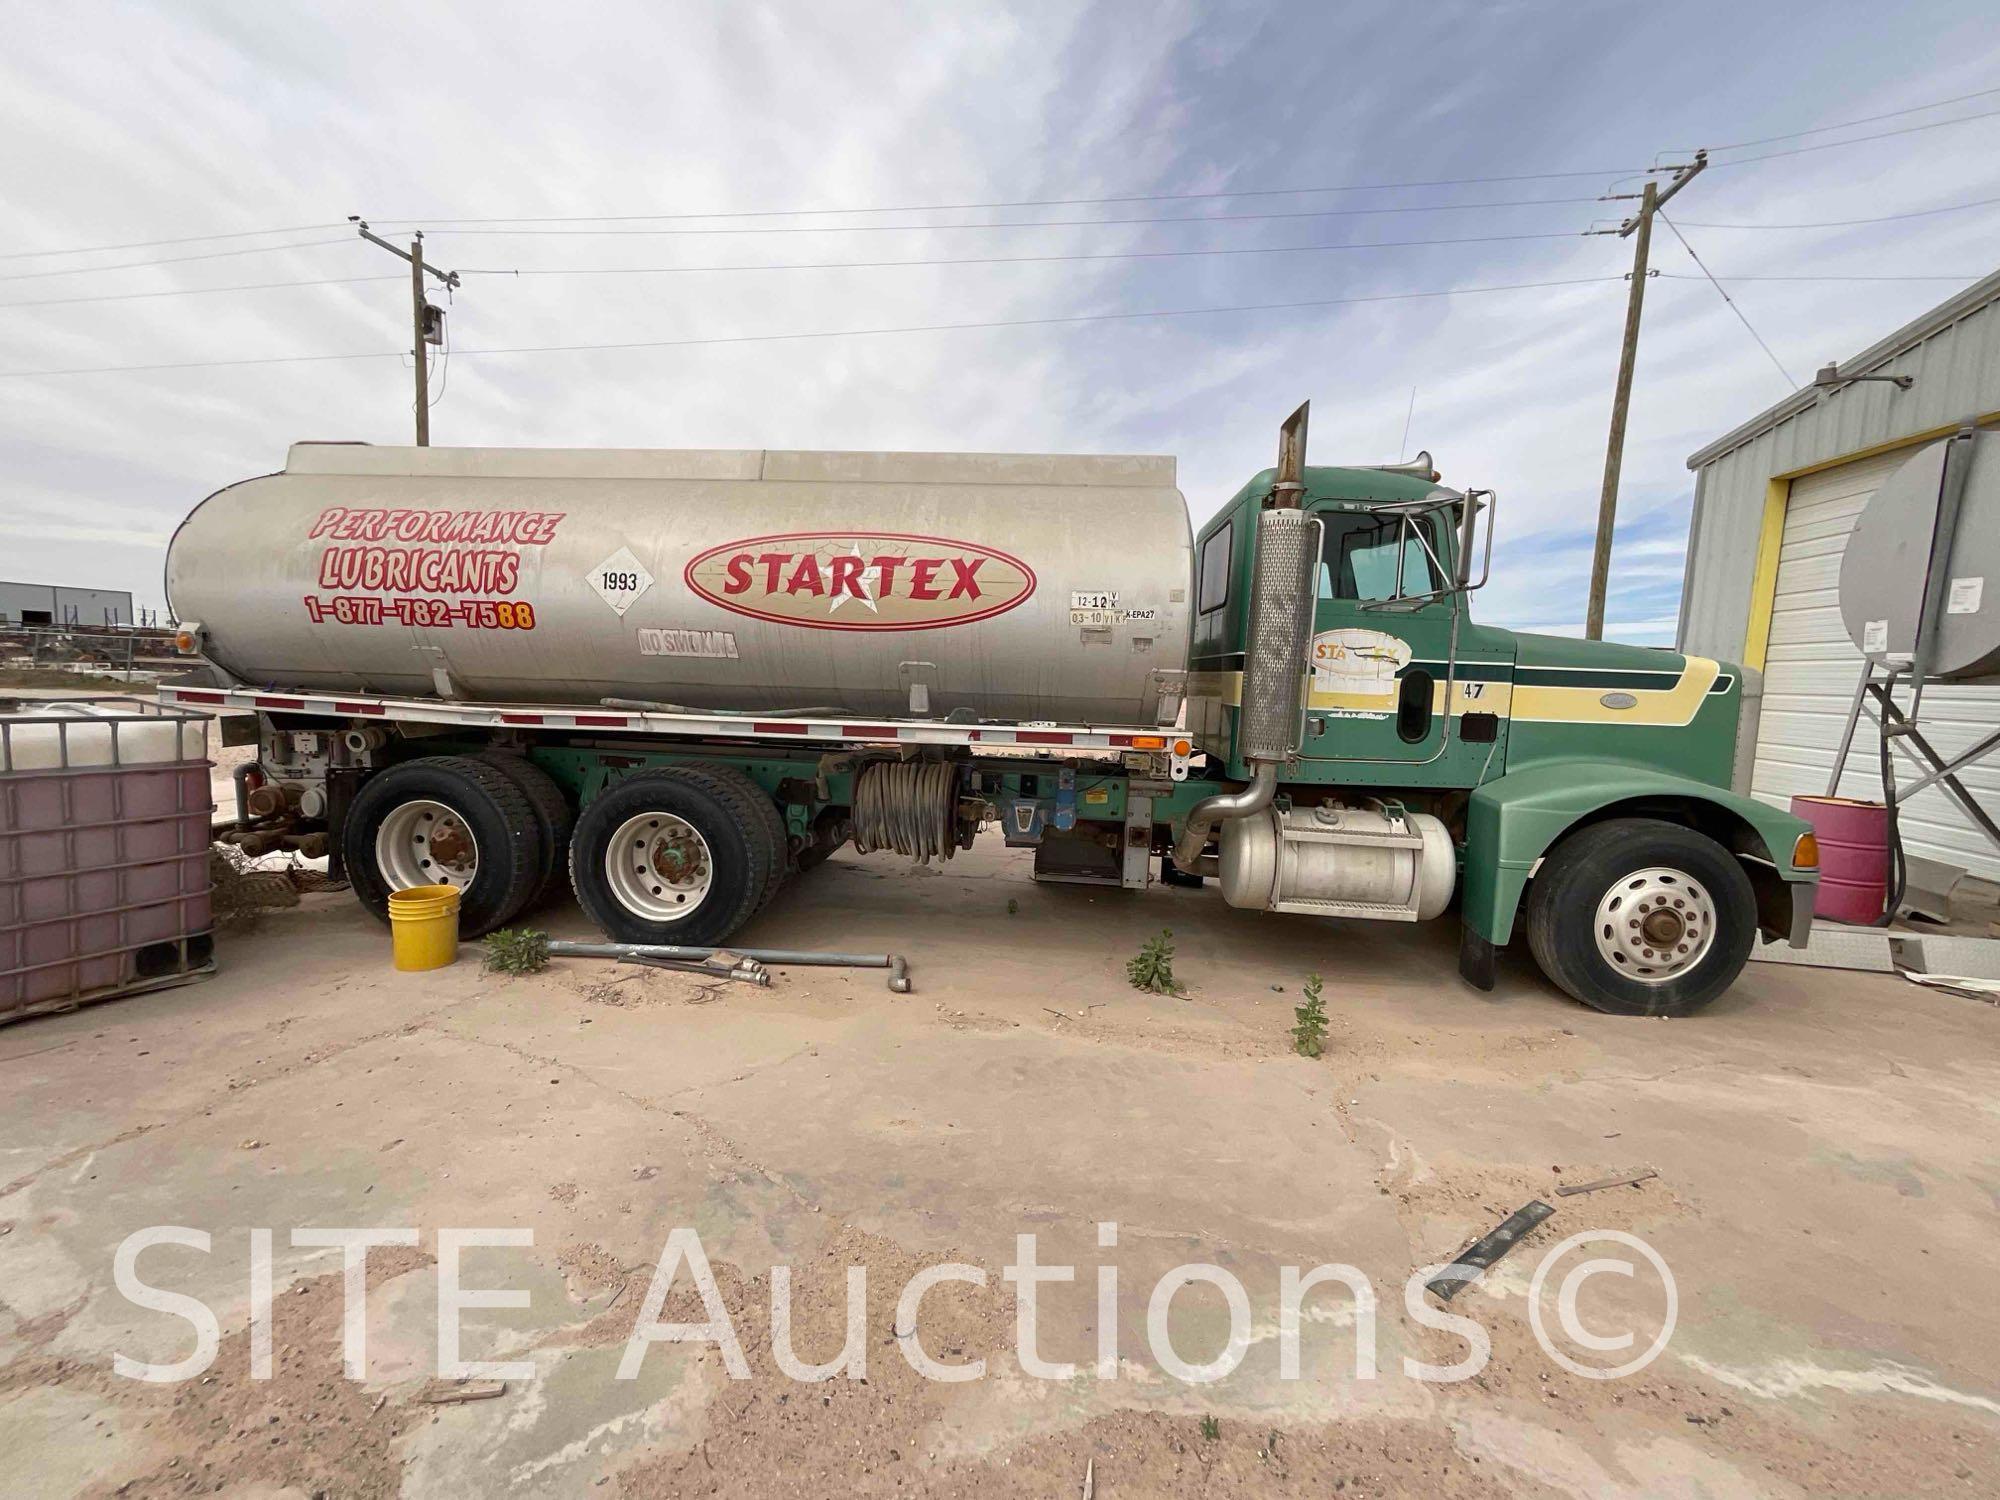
column 672, row 681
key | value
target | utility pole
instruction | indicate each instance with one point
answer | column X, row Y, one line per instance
column 426, row 321
column 1641, row 223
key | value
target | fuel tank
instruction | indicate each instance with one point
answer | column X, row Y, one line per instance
column 1002, row 586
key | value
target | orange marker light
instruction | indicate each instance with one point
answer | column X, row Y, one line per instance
column 1805, row 853
column 184, row 642
column 1182, row 747
column 1148, row 742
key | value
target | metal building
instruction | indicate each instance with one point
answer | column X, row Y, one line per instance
column 1775, row 501
column 58, row 604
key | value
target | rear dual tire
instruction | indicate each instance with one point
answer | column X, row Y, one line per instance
column 682, row 855
column 445, row 820
column 553, row 816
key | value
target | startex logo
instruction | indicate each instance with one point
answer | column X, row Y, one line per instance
column 868, row 580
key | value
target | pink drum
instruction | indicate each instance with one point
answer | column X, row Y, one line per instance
column 1853, row 856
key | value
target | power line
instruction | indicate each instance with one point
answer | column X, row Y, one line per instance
column 1880, row 135
column 1968, row 276
column 1005, row 260
column 1224, row 193
column 1723, row 291
column 186, row 239
column 1914, row 109
column 198, row 291
column 831, row 265
column 929, row 208
column 1301, row 213
column 1010, row 260
column 170, row 260
column 1919, row 213
column 437, row 221
column 837, row 333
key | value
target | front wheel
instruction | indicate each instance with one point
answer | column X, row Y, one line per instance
column 1640, row 917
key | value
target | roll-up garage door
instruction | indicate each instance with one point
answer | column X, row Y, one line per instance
column 1811, row 667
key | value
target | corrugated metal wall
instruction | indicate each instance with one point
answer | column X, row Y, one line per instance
column 1954, row 353
column 90, row 606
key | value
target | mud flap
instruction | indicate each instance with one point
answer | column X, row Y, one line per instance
column 1475, row 958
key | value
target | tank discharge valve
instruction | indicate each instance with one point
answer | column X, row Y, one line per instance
column 1333, row 861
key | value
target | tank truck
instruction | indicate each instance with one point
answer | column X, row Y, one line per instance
column 673, row 681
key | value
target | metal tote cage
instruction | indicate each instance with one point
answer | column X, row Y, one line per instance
column 105, row 809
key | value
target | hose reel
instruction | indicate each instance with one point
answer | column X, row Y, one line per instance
column 909, row 807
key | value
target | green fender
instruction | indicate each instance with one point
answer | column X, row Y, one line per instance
column 1515, row 819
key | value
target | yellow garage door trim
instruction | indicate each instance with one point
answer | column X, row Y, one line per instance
column 1771, row 532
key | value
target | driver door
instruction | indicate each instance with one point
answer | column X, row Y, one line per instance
column 1377, row 685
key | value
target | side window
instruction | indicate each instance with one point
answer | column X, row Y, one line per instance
column 1212, row 585
column 1359, row 560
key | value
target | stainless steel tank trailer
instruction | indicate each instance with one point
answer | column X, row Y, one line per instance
column 674, row 680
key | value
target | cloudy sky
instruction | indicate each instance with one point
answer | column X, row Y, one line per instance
column 138, row 125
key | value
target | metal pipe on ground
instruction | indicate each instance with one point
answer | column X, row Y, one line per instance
column 895, row 963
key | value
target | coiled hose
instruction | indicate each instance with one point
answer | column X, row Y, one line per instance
column 908, row 806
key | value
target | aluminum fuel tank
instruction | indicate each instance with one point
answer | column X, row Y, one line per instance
column 1005, row 586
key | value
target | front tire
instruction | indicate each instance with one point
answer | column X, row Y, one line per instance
column 1641, row 917
column 444, row 820
column 680, row 855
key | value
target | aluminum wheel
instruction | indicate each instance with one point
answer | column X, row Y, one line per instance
column 1654, row 924
column 658, row 867
column 425, row 843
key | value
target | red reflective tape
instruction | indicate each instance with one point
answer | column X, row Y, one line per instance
column 601, row 721
column 1042, row 737
column 263, row 702
column 1121, row 739
column 792, row 728
column 520, row 718
column 191, row 695
column 870, row 731
column 358, row 708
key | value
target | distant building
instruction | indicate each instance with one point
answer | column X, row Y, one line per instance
column 56, row 604
column 1775, row 501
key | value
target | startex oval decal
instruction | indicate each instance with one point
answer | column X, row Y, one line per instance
column 861, row 580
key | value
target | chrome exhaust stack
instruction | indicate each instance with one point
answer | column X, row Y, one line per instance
column 1271, row 720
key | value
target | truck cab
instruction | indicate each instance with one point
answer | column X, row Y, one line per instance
column 1519, row 744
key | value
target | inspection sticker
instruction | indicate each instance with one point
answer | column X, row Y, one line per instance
column 620, row 579
column 1965, row 596
column 1875, row 637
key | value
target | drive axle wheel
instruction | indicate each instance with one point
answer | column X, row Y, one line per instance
column 552, row 815
column 444, row 820
column 658, row 866
column 681, row 855
column 1641, row 917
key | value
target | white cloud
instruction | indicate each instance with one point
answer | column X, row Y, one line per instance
column 180, row 119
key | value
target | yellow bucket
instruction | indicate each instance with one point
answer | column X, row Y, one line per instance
column 423, row 926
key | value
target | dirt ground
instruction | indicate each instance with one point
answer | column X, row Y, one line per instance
column 1827, row 1187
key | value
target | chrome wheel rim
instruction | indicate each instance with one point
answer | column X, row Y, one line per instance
column 658, row 867
column 1655, row 924
column 426, row 843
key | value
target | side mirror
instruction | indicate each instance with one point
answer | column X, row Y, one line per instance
column 1468, row 529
